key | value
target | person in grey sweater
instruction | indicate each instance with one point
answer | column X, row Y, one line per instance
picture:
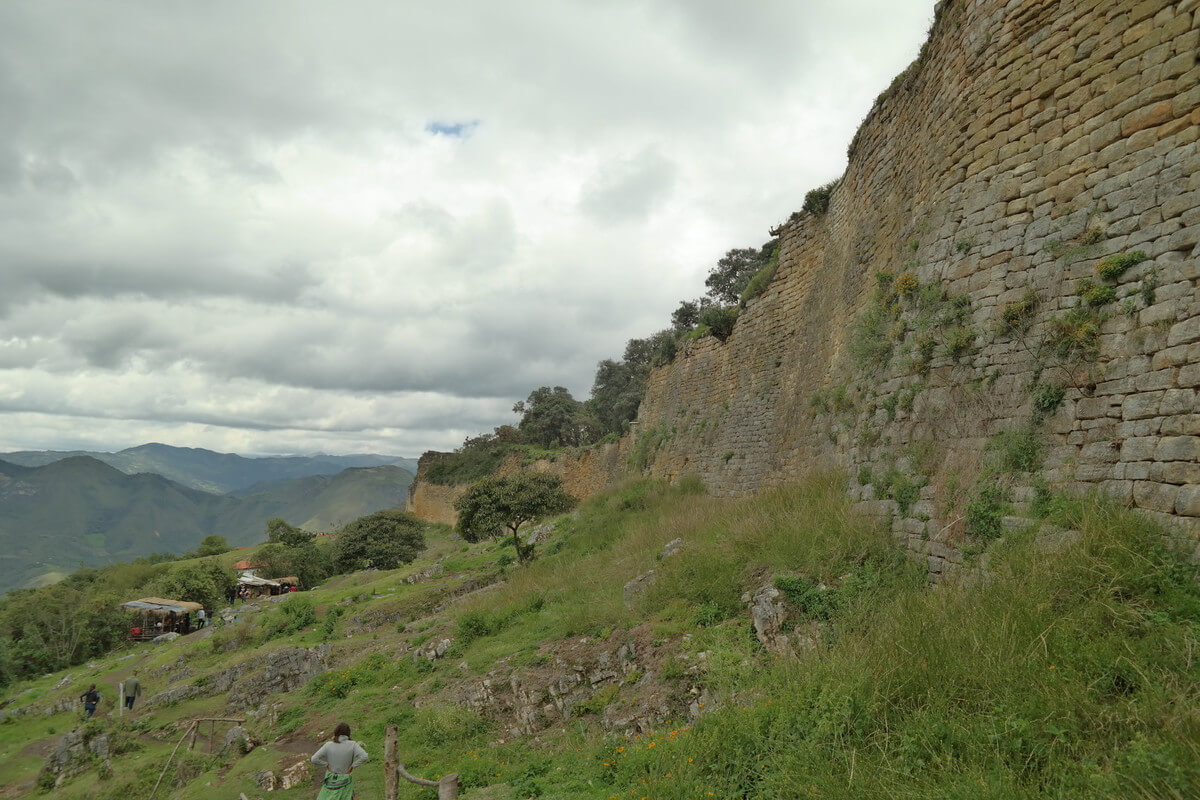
column 339, row 758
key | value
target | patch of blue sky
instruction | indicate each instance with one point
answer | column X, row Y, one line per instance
column 458, row 130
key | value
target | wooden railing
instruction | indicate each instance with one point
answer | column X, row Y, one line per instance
column 393, row 770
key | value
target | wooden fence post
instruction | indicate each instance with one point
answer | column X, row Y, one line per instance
column 447, row 787
column 391, row 778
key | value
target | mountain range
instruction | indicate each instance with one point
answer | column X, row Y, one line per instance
column 63, row 510
column 209, row 471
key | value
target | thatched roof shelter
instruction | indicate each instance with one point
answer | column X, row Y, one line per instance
column 160, row 606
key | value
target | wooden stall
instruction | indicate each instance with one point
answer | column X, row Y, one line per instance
column 154, row 616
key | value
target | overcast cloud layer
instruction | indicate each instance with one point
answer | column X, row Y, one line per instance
column 291, row 226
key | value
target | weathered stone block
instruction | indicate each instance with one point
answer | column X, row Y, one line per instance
column 1155, row 496
column 1178, row 448
column 1187, row 502
column 1140, row 448
column 1140, row 406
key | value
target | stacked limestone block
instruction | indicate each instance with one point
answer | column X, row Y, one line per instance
column 1030, row 141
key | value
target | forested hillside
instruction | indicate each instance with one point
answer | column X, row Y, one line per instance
column 80, row 511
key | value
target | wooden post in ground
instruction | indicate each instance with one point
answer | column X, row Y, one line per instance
column 212, row 736
column 447, row 787
column 391, row 778
column 121, row 700
column 192, row 741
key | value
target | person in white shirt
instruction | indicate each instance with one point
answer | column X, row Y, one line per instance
column 339, row 758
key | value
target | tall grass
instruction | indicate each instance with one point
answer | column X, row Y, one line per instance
column 1075, row 674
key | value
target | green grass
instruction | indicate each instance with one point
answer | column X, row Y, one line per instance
column 1064, row 676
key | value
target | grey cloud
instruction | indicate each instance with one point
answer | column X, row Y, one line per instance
column 629, row 189
column 230, row 221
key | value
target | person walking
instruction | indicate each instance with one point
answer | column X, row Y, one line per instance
column 133, row 690
column 201, row 619
column 91, row 699
column 339, row 757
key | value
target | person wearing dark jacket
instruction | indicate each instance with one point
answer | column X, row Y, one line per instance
column 91, row 699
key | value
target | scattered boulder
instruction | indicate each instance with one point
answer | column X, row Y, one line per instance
column 539, row 534
column 265, row 780
column 769, row 615
column 164, row 638
column 672, row 547
column 637, row 587
column 433, row 649
column 297, row 774
column 240, row 739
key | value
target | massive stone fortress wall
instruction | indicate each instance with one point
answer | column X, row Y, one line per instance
column 1031, row 141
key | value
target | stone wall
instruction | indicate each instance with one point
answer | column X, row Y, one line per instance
column 1030, row 141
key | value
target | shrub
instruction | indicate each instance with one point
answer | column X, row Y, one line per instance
column 299, row 613
column 442, row 724
column 871, row 347
column 816, row 201
column 719, row 320
column 383, row 540
column 1114, row 266
column 339, row 682
column 959, row 342
column 329, row 624
column 1075, row 335
column 985, row 512
column 864, row 475
column 1016, row 316
column 762, row 279
column 907, row 283
column 1017, row 450
column 1047, row 397
column 1095, row 294
column 905, row 492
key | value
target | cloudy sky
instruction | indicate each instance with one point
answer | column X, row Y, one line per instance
column 292, row 227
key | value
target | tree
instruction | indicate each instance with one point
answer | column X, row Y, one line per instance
column 550, row 418
column 384, row 540
column 307, row 562
column 280, row 532
column 495, row 505
column 204, row 582
column 729, row 277
column 213, row 545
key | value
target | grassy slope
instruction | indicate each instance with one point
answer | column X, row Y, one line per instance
column 1065, row 675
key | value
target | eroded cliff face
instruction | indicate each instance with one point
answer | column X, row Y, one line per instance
column 1031, row 141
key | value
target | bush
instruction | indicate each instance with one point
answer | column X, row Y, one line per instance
column 985, row 512
column 1076, row 334
column 444, row 724
column 719, row 320
column 762, row 279
column 1095, row 294
column 959, row 342
column 907, row 283
column 1016, row 316
column 1114, row 266
column 816, row 201
column 1017, row 450
column 1047, row 397
column 383, row 540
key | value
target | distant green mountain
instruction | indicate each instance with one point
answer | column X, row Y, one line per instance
column 208, row 471
column 80, row 510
